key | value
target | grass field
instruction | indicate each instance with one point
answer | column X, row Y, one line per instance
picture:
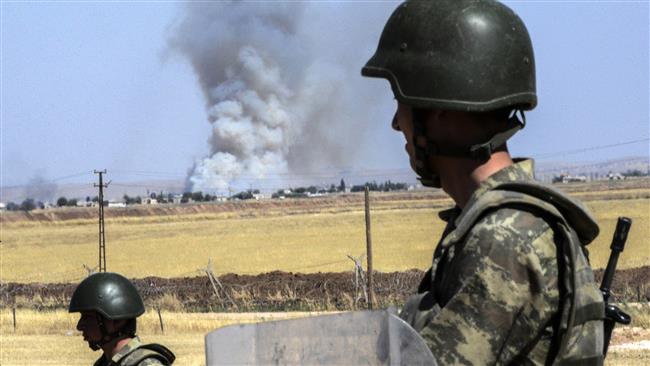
column 60, row 344
column 404, row 234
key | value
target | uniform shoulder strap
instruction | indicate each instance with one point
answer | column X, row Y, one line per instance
column 535, row 194
column 574, row 212
column 496, row 199
column 150, row 351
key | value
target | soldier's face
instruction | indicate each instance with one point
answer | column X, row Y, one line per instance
column 88, row 325
column 442, row 127
column 403, row 121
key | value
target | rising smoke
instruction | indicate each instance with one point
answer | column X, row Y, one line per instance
column 40, row 189
column 274, row 104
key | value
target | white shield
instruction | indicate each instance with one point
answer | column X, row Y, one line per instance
column 355, row 338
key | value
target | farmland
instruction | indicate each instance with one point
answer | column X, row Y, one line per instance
column 167, row 248
column 249, row 238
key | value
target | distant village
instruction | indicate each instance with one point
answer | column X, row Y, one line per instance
column 156, row 198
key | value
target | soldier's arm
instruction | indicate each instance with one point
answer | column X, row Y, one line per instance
column 500, row 291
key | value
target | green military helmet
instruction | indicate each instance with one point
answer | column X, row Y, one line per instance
column 110, row 294
column 467, row 55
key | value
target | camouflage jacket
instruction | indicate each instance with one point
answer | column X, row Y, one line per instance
column 137, row 354
column 496, row 294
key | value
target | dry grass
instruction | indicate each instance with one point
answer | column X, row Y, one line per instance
column 404, row 235
column 60, row 322
column 63, row 350
column 297, row 243
column 637, row 249
column 640, row 313
column 640, row 357
column 60, row 344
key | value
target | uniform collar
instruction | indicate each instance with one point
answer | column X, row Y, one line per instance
column 521, row 170
column 128, row 348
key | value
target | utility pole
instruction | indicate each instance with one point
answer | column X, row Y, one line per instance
column 371, row 292
column 102, row 238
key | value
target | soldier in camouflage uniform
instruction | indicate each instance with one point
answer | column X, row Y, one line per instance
column 109, row 305
column 510, row 282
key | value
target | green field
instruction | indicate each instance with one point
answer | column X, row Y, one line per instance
column 404, row 233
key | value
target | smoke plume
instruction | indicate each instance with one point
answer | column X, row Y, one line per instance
column 40, row 190
column 275, row 105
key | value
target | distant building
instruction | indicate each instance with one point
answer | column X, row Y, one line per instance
column 615, row 176
column 3, row 206
column 566, row 178
column 574, row 179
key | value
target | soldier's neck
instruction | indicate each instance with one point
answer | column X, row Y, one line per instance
column 461, row 177
column 113, row 347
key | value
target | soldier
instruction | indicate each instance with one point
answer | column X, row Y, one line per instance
column 109, row 305
column 510, row 281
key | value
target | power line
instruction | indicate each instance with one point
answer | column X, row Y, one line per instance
column 289, row 178
column 592, row 148
column 46, row 181
column 68, row 177
column 294, row 175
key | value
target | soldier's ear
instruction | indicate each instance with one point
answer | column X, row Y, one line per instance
column 436, row 115
column 117, row 324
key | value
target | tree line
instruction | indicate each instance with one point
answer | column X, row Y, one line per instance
column 160, row 197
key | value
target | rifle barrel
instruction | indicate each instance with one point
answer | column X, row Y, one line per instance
column 618, row 244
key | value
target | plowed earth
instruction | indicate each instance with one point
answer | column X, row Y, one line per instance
column 279, row 291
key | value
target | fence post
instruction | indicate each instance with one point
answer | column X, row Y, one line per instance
column 371, row 292
column 162, row 327
column 13, row 311
column 214, row 279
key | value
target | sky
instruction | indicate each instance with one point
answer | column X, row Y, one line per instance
column 137, row 88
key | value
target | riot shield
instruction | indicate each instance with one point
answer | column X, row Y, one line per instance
column 355, row 338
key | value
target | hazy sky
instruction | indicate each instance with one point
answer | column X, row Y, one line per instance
column 96, row 85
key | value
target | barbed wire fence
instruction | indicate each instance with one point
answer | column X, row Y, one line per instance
column 273, row 291
column 360, row 287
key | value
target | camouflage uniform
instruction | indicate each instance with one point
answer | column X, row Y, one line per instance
column 137, row 354
column 496, row 289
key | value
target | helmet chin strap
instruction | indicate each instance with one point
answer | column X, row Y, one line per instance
column 480, row 152
column 106, row 336
column 427, row 177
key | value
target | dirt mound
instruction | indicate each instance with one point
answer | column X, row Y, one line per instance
column 278, row 291
column 631, row 285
